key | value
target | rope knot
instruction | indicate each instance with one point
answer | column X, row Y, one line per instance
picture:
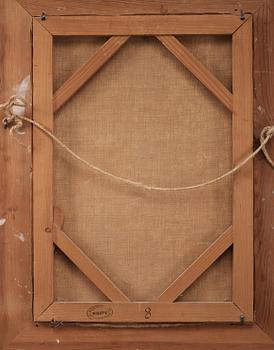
column 266, row 134
column 13, row 109
column 268, row 131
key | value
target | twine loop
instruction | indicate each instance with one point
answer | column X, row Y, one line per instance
column 15, row 109
column 266, row 134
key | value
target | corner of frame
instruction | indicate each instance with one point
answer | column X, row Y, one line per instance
column 23, row 8
column 245, row 317
column 248, row 21
column 38, row 25
column 268, row 338
column 43, row 316
column 14, row 342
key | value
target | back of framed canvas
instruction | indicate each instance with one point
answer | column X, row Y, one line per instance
column 144, row 125
column 132, row 126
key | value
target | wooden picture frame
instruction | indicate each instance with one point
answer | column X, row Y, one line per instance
column 19, row 330
column 47, row 227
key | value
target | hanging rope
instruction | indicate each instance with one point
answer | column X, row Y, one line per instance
column 11, row 117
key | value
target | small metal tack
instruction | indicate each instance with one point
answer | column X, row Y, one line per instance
column 56, row 324
column 43, row 16
column 242, row 15
column 242, row 319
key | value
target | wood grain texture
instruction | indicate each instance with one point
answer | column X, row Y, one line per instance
column 264, row 174
column 142, row 312
column 42, row 170
column 15, row 178
column 58, row 217
column 79, row 78
column 199, row 266
column 198, row 69
column 201, row 337
column 87, row 266
column 128, row 7
column 141, row 25
column 242, row 130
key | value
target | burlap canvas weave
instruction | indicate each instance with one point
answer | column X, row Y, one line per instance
column 144, row 117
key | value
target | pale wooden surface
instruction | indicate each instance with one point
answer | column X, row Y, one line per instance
column 79, row 78
column 242, row 129
column 143, row 312
column 202, row 337
column 42, row 170
column 141, row 25
column 129, row 7
column 15, row 179
column 198, row 69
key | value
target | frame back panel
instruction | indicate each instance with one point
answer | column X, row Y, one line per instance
column 144, row 116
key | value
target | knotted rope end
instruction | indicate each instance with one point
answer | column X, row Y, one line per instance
column 14, row 110
column 266, row 134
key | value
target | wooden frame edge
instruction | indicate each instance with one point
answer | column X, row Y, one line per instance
column 88, row 25
column 141, row 25
column 128, row 7
column 263, row 213
column 36, row 336
column 143, row 312
column 242, row 130
column 44, row 337
column 42, row 170
column 15, row 177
